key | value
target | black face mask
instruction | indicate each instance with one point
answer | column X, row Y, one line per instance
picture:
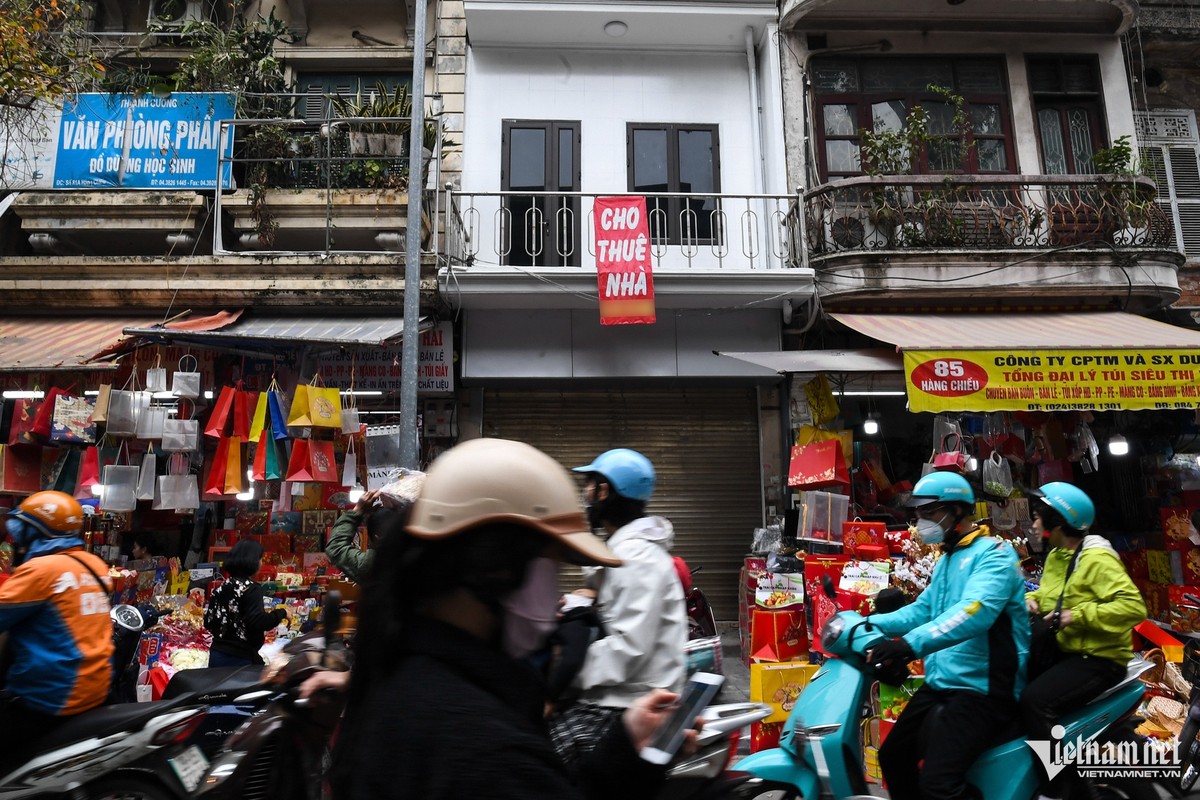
column 595, row 514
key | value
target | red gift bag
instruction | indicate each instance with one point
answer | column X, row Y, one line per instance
column 89, row 473
column 818, row 465
column 242, row 403
column 856, row 532
column 299, row 468
column 21, row 426
column 778, row 634
column 322, row 461
column 20, row 468
column 40, row 429
column 214, row 484
column 221, row 418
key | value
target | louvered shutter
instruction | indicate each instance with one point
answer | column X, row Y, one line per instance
column 316, row 89
column 1171, row 155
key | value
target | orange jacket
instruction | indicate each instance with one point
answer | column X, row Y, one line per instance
column 59, row 631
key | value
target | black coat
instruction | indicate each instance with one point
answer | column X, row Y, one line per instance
column 459, row 719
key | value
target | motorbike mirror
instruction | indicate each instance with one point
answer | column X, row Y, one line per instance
column 128, row 617
column 828, row 587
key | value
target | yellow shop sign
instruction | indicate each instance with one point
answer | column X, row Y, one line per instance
column 1052, row 380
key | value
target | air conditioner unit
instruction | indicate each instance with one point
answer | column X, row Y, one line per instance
column 173, row 14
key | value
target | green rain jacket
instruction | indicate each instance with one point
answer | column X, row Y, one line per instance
column 1104, row 603
column 342, row 550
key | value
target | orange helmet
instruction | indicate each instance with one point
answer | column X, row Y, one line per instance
column 54, row 514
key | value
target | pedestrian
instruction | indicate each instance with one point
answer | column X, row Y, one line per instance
column 641, row 604
column 1089, row 599
column 381, row 511
column 443, row 702
column 971, row 628
column 235, row 614
column 143, row 546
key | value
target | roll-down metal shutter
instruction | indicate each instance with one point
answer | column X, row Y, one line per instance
column 705, row 448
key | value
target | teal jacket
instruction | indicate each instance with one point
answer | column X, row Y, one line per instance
column 970, row 624
column 1104, row 603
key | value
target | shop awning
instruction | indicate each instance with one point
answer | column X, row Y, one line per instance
column 41, row 344
column 1040, row 362
column 278, row 332
column 784, row 361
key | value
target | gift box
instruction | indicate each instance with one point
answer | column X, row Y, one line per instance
column 1136, row 564
column 252, row 522
column 871, row 552
column 286, row 523
column 1164, row 566
column 1157, row 600
column 1183, row 615
column 856, row 532
column 866, row 578
column 817, row 566
column 895, row 540
column 778, row 634
column 822, row 515
column 778, row 685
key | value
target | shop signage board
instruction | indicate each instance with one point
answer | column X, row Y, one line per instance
column 122, row 141
column 623, row 266
column 1116, row 379
column 378, row 368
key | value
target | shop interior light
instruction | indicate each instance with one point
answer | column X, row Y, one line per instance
column 870, row 392
column 871, row 425
column 163, row 395
column 97, row 489
column 362, row 393
column 16, row 394
column 356, row 493
column 246, row 495
column 208, row 395
column 1118, row 445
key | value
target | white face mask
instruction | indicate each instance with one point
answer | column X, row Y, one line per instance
column 931, row 532
column 531, row 611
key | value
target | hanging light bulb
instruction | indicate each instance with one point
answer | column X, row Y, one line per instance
column 97, row 489
column 356, row 493
column 871, row 424
column 1118, row 445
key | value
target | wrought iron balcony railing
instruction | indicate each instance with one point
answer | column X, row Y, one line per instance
column 556, row 229
column 983, row 212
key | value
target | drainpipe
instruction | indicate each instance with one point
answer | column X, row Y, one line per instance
column 755, row 114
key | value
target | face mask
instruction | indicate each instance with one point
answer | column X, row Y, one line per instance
column 931, row 532
column 530, row 611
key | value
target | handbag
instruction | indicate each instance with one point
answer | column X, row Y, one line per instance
column 1043, row 637
column 951, row 458
column 818, row 465
column 71, row 421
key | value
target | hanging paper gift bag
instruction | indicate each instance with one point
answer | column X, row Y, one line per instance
column 152, row 422
column 72, row 422
column 278, row 410
column 178, row 489
column 20, row 468
column 156, row 376
column 242, row 401
column 322, row 461
column 65, row 473
column 220, row 421
column 100, row 407
column 40, row 430
column 214, row 483
column 259, row 420
column 89, row 474
column 818, row 465
column 235, row 467
column 316, row 406
column 147, row 478
column 299, row 469
column 119, row 485
column 21, row 426
column 266, row 459
column 185, row 382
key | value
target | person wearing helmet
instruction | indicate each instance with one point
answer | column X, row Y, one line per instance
column 1100, row 606
column 970, row 627
column 54, row 607
column 642, row 607
column 443, row 701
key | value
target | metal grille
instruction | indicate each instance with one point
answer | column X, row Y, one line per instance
column 705, row 448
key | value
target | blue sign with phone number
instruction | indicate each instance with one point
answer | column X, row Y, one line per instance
column 123, row 141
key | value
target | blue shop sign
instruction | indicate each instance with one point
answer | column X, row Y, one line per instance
column 122, row 141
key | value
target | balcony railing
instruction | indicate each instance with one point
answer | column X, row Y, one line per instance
column 687, row 231
column 983, row 212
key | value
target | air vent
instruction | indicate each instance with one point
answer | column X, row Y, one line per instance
column 172, row 15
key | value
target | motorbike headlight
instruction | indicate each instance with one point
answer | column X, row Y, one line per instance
column 832, row 630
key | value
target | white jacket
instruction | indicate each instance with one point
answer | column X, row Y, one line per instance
column 645, row 619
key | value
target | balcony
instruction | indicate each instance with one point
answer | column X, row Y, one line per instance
column 991, row 240
column 538, row 249
column 1101, row 17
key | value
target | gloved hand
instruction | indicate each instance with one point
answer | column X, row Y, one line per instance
column 889, row 659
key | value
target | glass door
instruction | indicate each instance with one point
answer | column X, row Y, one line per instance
column 540, row 230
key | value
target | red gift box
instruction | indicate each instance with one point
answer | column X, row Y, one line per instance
column 856, row 532
column 1135, row 564
column 816, row 566
column 871, row 552
column 778, row 634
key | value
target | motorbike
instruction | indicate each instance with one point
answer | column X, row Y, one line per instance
column 703, row 774
column 704, row 644
column 128, row 624
column 283, row 750
column 820, row 752
column 122, row 750
column 1189, row 743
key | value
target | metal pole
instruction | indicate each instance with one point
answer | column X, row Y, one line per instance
column 409, row 455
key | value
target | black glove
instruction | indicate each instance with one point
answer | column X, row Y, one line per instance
column 889, row 659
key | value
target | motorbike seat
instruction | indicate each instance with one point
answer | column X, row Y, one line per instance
column 103, row 721
column 215, row 685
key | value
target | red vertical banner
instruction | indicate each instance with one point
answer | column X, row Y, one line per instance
column 623, row 261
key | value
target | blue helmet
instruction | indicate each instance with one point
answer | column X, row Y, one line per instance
column 1070, row 502
column 628, row 472
column 942, row 487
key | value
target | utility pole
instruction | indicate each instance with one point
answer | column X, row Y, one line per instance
column 409, row 455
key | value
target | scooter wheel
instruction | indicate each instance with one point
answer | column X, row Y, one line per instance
column 127, row 787
column 1189, row 755
column 767, row 790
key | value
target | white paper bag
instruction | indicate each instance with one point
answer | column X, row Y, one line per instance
column 147, row 480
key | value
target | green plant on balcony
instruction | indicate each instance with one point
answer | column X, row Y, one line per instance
column 926, row 216
column 1117, row 203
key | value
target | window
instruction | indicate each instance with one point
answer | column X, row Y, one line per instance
column 855, row 94
column 316, row 88
column 1171, row 155
column 540, row 156
column 680, row 159
column 1066, row 102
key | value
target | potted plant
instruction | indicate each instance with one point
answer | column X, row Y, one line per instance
column 1117, row 211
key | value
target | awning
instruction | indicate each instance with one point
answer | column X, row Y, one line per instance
column 1040, row 362
column 280, row 332
column 783, row 361
column 41, row 344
